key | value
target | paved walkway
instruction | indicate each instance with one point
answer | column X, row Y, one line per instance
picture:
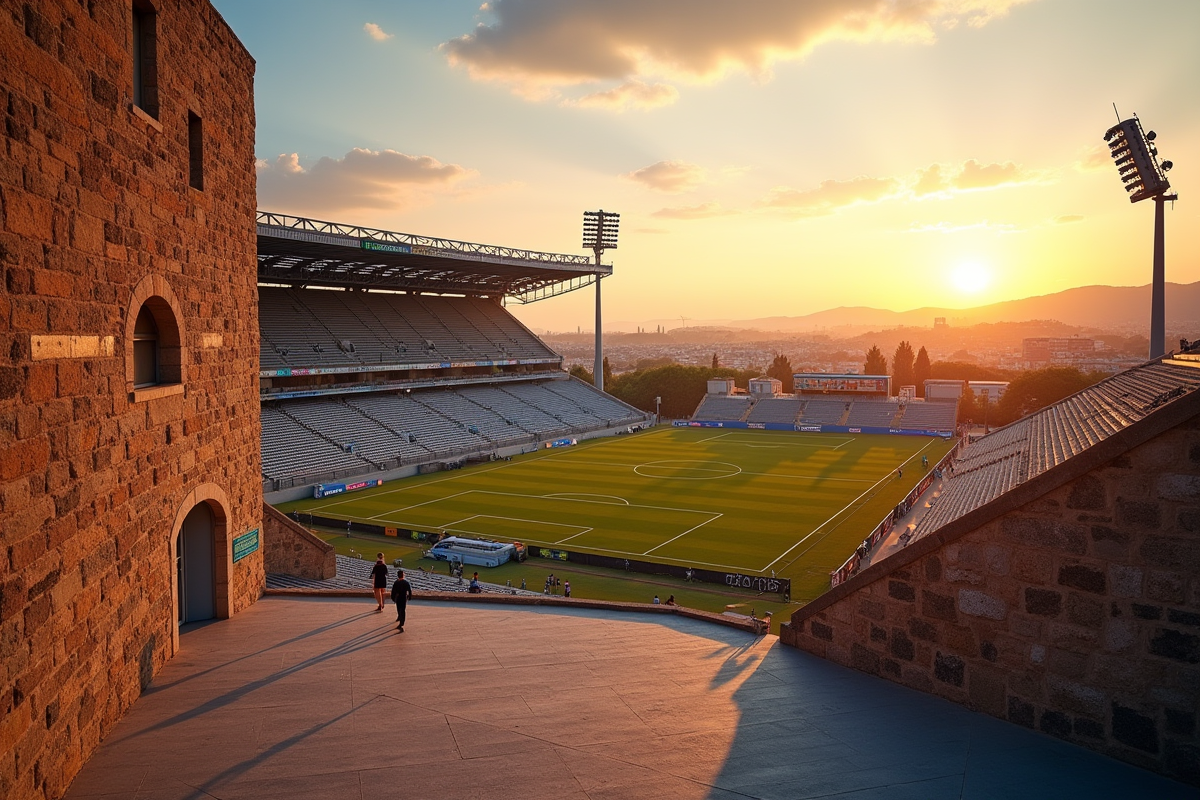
column 322, row 698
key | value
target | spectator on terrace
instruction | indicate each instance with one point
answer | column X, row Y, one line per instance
column 379, row 578
column 567, row 589
column 671, row 600
column 474, row 587
column 656, row 600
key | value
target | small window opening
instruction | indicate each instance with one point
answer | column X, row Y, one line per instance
column 145, row 349
column 145, row 58
column 195, row 152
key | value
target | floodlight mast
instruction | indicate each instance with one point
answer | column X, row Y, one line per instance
column 599, row 234
column 1145, row 178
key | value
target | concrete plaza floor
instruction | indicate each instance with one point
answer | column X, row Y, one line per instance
column 322, row 698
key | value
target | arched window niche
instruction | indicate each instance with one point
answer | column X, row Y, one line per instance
column 155, row 365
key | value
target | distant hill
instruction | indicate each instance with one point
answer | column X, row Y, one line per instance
column 1107, row 307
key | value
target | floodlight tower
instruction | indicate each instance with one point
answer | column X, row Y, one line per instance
column 1136, row 158
column 599, row 234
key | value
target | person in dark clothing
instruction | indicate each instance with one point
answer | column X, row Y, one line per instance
column 401, row 594
column 379, row 580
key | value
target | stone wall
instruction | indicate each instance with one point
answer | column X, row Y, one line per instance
column 291, row 549
column 1076, row 613
column 96, row 217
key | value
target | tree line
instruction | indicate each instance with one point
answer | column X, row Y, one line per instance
column 682, row 387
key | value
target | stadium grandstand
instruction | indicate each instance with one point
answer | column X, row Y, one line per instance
column 384, row 353
column 834, row 404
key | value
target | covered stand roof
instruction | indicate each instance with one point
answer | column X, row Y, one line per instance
column 296, row 251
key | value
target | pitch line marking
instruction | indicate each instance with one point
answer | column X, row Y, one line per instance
column 541, row 497
column 685, row 533
column 719, row 473
column 573, row 495
column 418, row 505
column 851, row 503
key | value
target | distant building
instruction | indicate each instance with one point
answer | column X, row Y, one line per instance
column 940, row 324
column 993, row 389
column 766, row 387
column 721, row 386
column 942, row 389
column 1046, row 351
column 841, row 383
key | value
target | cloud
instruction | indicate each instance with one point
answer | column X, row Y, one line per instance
column 383, row 179
column 377, row 33
column 631, row 94
column 971, row 176
column 702, row 211
column 668, row 176
column 1094, row 158
column 830, row 195
column 986, row 176
column 542, row 47
column 1067, row 219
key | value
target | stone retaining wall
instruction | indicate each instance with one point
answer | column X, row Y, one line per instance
column 291, row 549
column 1076, row 613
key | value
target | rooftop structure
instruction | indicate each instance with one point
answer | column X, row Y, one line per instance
column 296, row 251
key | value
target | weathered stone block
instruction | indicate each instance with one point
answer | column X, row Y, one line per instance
column 1182, row 488
column 1081, row 576
column 1176, row 645
column 864, row 659
column 902, row 591
column 1043, row 602
column 949, row 669
column 980, row 604
column 1020, row 712
column 821, row 631
column 901, row 646
column 1124, row 580
column 1165, row 587
column 1084, row 611
column 1087, row 494
column 1145, row 514
column 1045, row 533
column 1055, row 723
column 938, row 606
column 1134, row 729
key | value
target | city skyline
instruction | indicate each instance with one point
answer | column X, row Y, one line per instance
column 804, row 157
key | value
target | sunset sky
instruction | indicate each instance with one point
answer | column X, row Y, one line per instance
column 768, row 157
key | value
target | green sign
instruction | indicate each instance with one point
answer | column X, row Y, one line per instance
column 245, row 544
column 385, row 247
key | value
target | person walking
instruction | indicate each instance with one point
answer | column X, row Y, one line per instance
column 379, row 577
column 401, row 594
column 567, row 589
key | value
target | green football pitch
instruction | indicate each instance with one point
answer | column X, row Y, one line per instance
column 756, row 502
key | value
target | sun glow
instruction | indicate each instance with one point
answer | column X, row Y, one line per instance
column 971, row 277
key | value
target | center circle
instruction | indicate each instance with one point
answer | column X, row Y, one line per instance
column 687, row 470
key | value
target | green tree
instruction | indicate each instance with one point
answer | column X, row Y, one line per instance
column 781, row 370
column 679, row 386
column 922, row 371
column 716, row 364
column 607, row 373
column 902, row 367
column 583, row 373
column 1037, row 389
column 876, row 363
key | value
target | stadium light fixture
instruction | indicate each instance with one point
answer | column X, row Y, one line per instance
column 1136, row 158
column 599, row 234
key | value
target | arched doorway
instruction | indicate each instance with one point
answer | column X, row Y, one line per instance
column 195, row 566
